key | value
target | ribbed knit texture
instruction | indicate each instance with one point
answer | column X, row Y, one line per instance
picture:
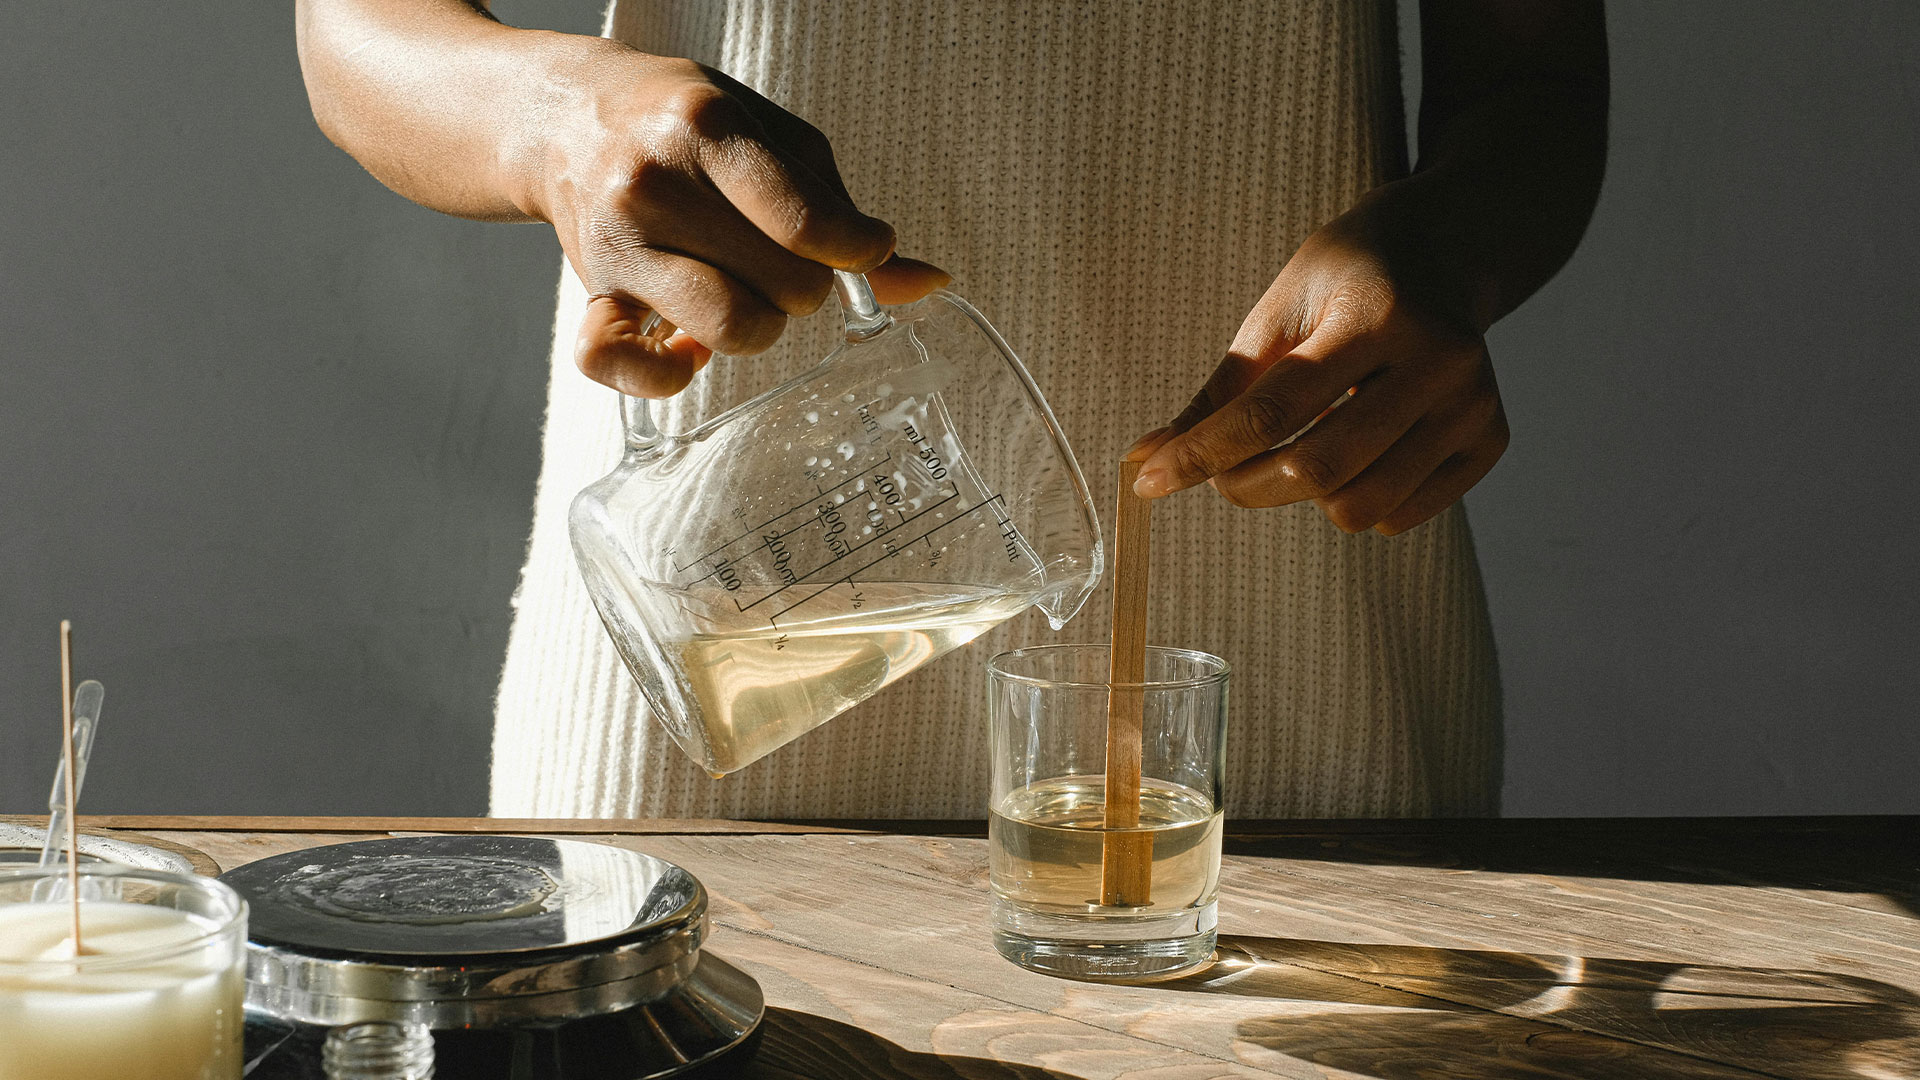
column 1114, row 184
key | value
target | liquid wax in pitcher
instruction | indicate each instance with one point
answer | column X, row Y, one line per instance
column 760, row 689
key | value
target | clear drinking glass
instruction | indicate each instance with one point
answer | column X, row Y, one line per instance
column 158, row 994
column 1048, row 710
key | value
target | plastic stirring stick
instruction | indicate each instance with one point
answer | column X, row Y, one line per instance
column 1126, row 858
column 86, row 713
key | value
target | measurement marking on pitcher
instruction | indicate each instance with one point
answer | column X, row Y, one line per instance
column 884, row 539
column 858, row 476
column 848, row 579
column 880, row 488
column 834, row 527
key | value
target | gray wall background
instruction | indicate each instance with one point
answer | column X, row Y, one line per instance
column 268, row 433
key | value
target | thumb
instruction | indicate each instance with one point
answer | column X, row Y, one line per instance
column 1229, row 380
column 1249, row 406
column 901, row 280
column 1272, row 330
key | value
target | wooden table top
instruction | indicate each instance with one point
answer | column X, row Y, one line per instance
column 1401, row 950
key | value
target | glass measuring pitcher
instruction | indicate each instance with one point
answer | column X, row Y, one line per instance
column 783, row 561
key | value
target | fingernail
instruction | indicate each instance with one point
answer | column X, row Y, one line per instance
column 1153, row 483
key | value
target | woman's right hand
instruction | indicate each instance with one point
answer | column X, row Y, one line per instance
column 675, row 189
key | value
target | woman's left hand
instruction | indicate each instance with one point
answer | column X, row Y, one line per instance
column 1382, row 364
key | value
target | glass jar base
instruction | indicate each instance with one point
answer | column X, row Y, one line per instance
column 1108, row 961
column 1117, row 946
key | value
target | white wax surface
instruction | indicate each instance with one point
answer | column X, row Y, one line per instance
column 176, row 1018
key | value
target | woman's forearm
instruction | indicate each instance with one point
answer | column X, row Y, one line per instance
column 436, row 99
column 673, row 189
column 1513, row 138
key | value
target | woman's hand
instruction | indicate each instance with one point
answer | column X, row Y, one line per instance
column 676, row 189
column 1387, row 373
column 1383, row 311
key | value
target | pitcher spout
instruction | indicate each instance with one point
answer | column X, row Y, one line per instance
column 1066, row 593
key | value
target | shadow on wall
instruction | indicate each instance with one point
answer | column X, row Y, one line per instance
column 1414, row 1013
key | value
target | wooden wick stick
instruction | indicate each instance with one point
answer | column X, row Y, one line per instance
column 66, row 757
column 1126, row 858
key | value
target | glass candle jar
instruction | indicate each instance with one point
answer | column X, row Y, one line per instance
column 156, row 994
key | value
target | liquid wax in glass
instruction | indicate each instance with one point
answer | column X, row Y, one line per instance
column 1044, row 844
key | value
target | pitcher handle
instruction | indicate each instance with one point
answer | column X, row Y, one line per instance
column 861, row 311
column 864, row 318
column 635, row 415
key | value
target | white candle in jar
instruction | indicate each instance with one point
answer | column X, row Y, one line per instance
column 152, row 999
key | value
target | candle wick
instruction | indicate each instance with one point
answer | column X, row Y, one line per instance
column 66, row 757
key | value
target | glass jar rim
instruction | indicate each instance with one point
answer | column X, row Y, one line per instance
column 233, row 907
column 1217, row 668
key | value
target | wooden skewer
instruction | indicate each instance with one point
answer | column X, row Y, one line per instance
column 1126, row 858
column 66, row 756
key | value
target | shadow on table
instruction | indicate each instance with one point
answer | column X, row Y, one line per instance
column 795, row 1045
column 1867, row 855
column 1413, row 1013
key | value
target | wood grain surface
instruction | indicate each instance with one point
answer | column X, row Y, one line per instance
column 1781, row 948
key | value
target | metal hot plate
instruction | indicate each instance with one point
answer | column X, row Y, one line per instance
column 473, row 934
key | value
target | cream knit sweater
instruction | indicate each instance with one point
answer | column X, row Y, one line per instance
column 1114, row 184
